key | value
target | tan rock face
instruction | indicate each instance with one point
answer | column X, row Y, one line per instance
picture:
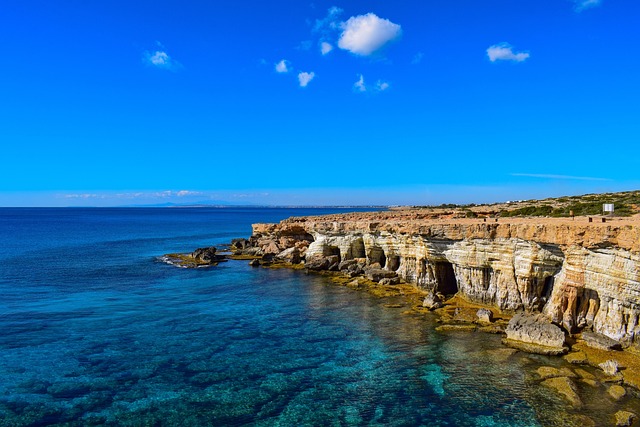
column 578, row 274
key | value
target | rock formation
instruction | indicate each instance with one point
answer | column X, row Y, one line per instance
column 581, row 276
column 201, row 257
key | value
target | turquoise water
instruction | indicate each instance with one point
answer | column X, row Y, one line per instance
column 95, row 331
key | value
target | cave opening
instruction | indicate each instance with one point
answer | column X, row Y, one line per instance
column 376, row 254
column 446, row 278
column 331, row 250
column 393, row 262
column 547, row 287
column 357, row 250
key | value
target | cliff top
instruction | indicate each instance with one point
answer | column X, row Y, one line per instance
column 614, row 232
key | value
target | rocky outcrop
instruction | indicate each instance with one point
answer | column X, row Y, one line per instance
column 579, row 275
column 201, row 257
column 535, row 334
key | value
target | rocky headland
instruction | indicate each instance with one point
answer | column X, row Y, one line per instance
column 579, row 275
column 550, row 285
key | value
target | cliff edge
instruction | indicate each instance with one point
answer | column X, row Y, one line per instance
column 582, row 273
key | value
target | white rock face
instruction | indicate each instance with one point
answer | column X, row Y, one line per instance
column 578, row 276
column 574, row 286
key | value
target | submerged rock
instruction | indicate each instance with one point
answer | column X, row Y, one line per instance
column 624, row 418
column 617, row 392
column 535, row 334
column 565, row 387
column 551, row 372
column 576, row 358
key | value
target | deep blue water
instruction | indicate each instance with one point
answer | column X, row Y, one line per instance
column 95, row 330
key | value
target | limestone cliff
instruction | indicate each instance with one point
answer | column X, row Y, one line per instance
column 580, row 274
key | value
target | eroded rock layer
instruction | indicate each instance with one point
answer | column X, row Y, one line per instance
column 580, row 275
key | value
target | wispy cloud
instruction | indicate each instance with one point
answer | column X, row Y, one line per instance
column 568, row 177
column 325, row 48
column 282, row 66
column 329, row 22
column 133, row 195
column 82, row 196
column 581, row 5
column 505, row 52
column 304, row 78
column 159, row 58
column 365, row 34
column 381, row 86
column 361, row 86
column 417, row 58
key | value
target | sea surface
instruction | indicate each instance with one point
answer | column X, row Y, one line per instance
column 95, row 330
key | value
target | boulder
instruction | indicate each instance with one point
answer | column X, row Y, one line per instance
column 345, row 265
column 432, row 301
column 355, row 269
column 535, row 334
column 240, row 243
column 271, row 248
column 268, row 257
column 484, row 315
column 389, row 281
column 610, row 367
column 254, row 263
column 253, row 251
column 334, row 262
column 291, row 255
column 317, row 263
column 600, row 341
column 205, row 255
column 377, row 274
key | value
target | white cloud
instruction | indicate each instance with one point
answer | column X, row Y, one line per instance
column 183, row 193
column 359, row 86
column 504, row 52
column 417, row 58
column 365, row 34
column 382, row 86
column 304, row 78
column 330, row 22
column 81, row 196
column 325, row 47
column 282, row 66
column 581, row 5
column 161, row 59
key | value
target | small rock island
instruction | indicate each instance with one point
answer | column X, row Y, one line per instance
column 201, row 257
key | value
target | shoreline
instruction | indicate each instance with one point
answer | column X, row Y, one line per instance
column 565, row 276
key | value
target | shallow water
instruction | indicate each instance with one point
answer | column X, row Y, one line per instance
column 95, row 330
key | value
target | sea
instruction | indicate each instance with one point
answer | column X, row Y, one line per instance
column 96, row 330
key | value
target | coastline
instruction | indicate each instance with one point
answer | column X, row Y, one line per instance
column 324, row 245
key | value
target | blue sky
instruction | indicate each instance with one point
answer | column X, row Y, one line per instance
column 283, row 102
